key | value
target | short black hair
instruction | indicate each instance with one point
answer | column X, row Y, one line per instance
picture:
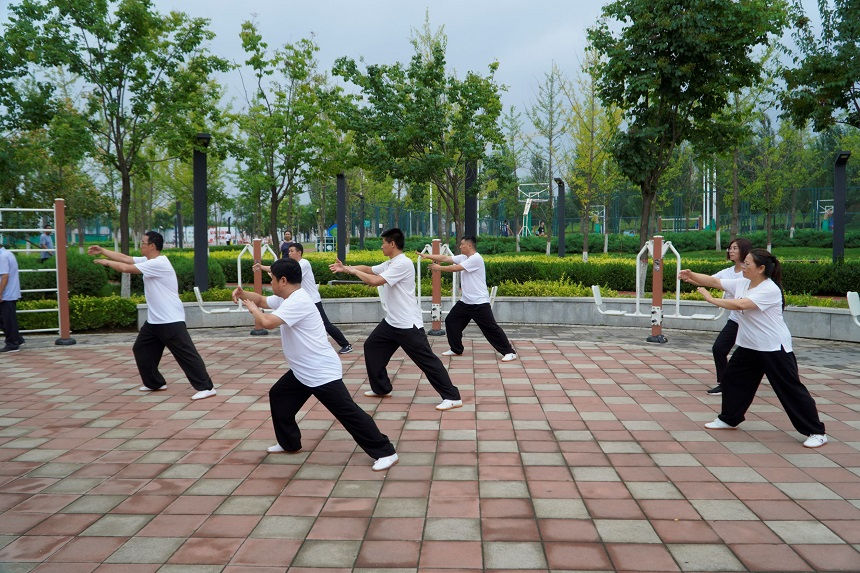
column 298, row 247
column 287, row 268
column 471, row 239
column 395, row 235
column 156, row 239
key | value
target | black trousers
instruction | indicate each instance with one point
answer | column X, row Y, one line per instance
column 149, row 347
column 9, row 323
column 460, row 315
column 331, row 329
column 743, row 376
column 287, row 397
column 722, row 346
column 385, row 340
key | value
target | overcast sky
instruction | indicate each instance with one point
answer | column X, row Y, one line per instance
column 525, row 37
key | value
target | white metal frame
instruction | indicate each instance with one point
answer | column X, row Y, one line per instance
column 640, row 282
column 854, row 306
column 220, row 310
column 51, row 270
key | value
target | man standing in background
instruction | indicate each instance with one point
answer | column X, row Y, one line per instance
column 10, row 292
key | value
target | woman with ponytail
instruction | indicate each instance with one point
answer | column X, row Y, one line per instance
column 764, row 347
column 736, row 252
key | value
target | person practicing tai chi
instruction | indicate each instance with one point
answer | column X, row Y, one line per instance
column 296, row 253
column 165, row 317
column 474, row 304
column 764, row 347
column 736, row 252
column 402, row 327
column 315, row 369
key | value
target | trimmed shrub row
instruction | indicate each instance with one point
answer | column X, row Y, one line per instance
column 85, row 313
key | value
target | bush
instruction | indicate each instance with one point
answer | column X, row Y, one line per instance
column 85, row 278
column 85, row 313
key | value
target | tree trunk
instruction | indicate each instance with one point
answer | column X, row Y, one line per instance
column 80, row 221
column 585, row 227
column 125, row 202
column 648, row 196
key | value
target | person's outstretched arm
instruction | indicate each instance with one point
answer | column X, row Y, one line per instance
column 436, row 258
column 700, row 279
column 112, row 255
column 362, row 272
column 447, row 268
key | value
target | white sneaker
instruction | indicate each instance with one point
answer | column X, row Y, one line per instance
column 450, row 353
column 509, row 357
column 148, row 389
column 815, row 441
column 203, row 394
column 718, row 424
column 384, row 463
column 449, row 404
column 276, row 449
column 372, row 394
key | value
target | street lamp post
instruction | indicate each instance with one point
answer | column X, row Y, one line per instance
column 839, row 199
column 201, row 227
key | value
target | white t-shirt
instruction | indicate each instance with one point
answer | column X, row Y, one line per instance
column 304, row 340
column 762, row 328
column 308, row 282
column 729, row 273
column 161, row 290
column 9, row 266
column 398, row 293
column 473, row 279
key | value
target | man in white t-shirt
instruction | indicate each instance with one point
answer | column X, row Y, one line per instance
column 402, row 327
column 165, row 317
column 315, row 369
column 474, row 304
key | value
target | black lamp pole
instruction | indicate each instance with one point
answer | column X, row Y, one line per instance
column 471, row 205
column 560, row 210
column 341, row 217
column 201, row 226
column 839, row 200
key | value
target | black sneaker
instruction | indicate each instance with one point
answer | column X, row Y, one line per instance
column 345, row 349
column 716, row 390
column 10, row 349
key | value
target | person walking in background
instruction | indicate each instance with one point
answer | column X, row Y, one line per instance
column 165, row 317
column 10, row 293
column 736, row 252
column 285, row 245
column 296, row 253
column 474, row 304
column 764, row 347
column 315, row 369
column 402, row 327
column 46, row 243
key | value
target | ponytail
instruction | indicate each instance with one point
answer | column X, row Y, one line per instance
column 772, row 268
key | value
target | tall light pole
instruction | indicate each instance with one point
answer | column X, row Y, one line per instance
column 839, row 199
column 201, row 208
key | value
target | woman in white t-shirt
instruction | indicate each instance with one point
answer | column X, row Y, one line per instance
column 764, row 347
column 736, row 252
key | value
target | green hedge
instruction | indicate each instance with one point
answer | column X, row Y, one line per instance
column 618, row 243
column 85, row 313
column 85, row 278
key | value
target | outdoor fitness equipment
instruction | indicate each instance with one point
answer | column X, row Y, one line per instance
column 60, row 269
column 854, row 306
column 656, row 250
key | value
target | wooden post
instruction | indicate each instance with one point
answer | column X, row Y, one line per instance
column 258, row 285
column 657, row 293
column 65, row 338
column 436, row 298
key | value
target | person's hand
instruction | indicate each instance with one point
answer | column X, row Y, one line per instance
column 435, row 267
column 95, row 250
column 102, row 262
column 705, row 293
column 251, row 306
column 337, row 267
column 685, row 274
column 423, row 255
column 260, row 267
column 237, row 294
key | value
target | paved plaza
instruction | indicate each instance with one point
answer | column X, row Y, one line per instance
column 587, row 454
